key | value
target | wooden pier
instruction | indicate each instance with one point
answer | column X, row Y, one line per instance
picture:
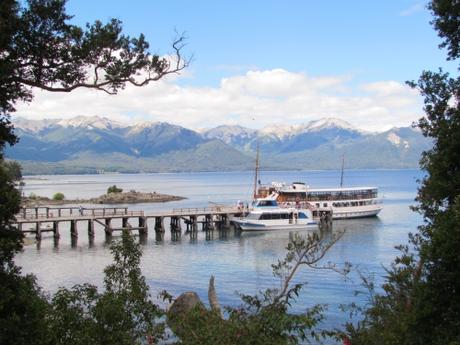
column 38, row 220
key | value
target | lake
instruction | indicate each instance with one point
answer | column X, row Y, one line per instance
column 240, row 262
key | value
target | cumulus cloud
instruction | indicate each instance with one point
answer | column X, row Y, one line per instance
column 254, row 99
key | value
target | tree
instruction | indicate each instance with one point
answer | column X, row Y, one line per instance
column 122, row 314
column 114, row 189
column 58, row 196
column 264, row 318
column 13, row 169
column 10, row 237
column 421, row 300
column 40, row 49
column 23, row 310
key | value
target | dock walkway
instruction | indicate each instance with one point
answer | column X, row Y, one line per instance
column 48, row 219
column 37, row 220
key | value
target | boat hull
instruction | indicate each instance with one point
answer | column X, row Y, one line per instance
column 354, row 212
column 253, row 226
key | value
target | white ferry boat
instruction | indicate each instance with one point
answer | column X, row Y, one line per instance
column 267, row 215
column 345, row 203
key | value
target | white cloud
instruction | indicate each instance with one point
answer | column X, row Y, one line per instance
column 254, row 99
column 418, row 7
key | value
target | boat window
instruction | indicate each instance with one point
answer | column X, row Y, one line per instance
column 302, row 215
column 265, row 203
column 351, row 194
column 274, row 215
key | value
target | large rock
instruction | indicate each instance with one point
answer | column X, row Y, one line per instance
column 185, row 303
column 181, row 307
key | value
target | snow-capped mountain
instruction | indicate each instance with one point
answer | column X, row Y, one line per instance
column 91, row 122
column 232, row 135
column 330, row 122
column 317, row 144
column 153, row 138
column 283, row 131
column 33, row 126
column 286, row 138
column 397, row 141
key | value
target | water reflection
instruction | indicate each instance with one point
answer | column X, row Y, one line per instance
column 176, row 236
column 143, row 238
column 159, row 236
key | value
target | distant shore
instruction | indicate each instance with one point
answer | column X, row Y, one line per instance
column 131, row 197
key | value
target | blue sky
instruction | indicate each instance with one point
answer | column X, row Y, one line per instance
column 363, row 50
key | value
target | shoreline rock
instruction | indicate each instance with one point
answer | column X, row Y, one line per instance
column 131, row 197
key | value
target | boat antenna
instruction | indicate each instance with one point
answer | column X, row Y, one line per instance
column 343, row 165
column 256, row 175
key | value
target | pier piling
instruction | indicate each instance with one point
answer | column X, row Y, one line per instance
column 108, row 229
column 143, row 229
column 90, row 229
column 38, row 231
column 40, row 219
column 159, row 224
column 193, row 223
column 175, row 224
column 208, row 224
column 56, row 229
column 73, row 229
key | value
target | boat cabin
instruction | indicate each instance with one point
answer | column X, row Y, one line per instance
column 281, row 214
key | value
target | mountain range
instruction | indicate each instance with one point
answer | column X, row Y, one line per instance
column 97, row 144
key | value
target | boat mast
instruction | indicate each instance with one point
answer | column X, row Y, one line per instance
column 256, row 175
column 341, row 176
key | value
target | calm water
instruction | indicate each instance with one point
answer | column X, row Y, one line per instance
column 239, row 262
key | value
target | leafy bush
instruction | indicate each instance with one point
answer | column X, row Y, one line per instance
column 13, row 169
column 58, row 196
column 114, row 189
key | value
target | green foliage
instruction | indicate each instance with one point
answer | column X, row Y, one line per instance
column 22, row 305
column 446, row 23
column 58, row 196
column 265, row 317
column 114, row 189
column 421, row 300
column 122, row 314
column 10, row 237
column 13, row 169
column 40, row 49
column 23, row 310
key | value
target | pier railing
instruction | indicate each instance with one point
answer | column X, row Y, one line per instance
column 207, row 210
column 86, row 213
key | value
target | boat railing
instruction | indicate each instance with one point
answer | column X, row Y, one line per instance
column 85, row 214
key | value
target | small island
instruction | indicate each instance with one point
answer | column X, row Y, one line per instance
column 114, row 195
